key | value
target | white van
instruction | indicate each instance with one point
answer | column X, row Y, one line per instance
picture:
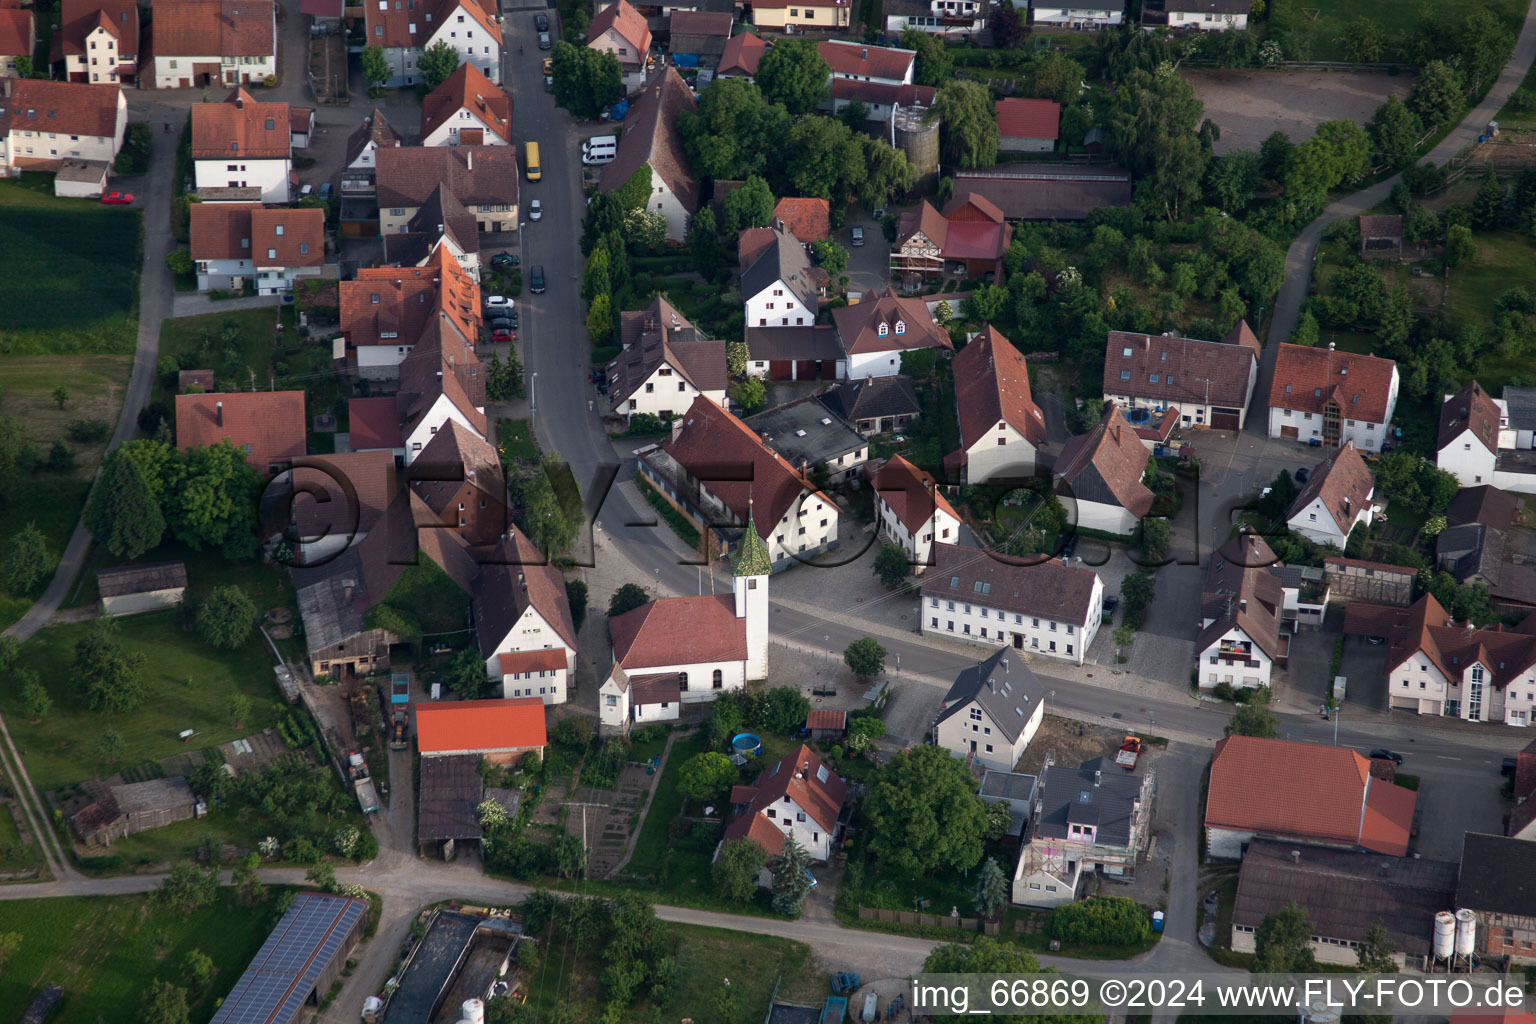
column 600, row 150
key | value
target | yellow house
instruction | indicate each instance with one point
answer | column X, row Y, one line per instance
column 825, row 14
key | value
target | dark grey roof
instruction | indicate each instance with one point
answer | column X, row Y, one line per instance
column 805, row 431
column 154, row 795
column 1459, row 550
column 441, row 215
column 1045, row 588
column 140, row 579
column 1345, row 892
column 1498, row 875
column 784, row 259
column 789, row 1013
column 873, row 398
column 1482, row 504
column 283, row 974
column 1005, row 688
column 377, row 128
column 1097, row 792
column 1008, row 786
column 451, row 789
column 432, row 968
column 778, row 343
column 1050, row 191
column 1522, row 407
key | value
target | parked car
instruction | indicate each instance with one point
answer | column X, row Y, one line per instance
column 1380, row 754
column 307, row 190
column 503, row 335
column 500, row 323
column 549, row 83
column 549, row 65
column 858, row 236
column 1111, row 602
column 541, row 22
column 117, row 198
column 544, row 41
column 325, row 190
column 1508, row 766
column 536, row 280
column 1301, row 475
column 1375, row 641
column 535, row 210
column 504, row 260
column 512, row 315
column 498, row 302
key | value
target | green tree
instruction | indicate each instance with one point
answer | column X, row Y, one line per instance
column 226, row 617
column 1137, row 591
column 1483, row 44
column 830, row 256
column 967, row 125
column 736, row 355
column 322, row 876
column 1102, row 920
column 123, row 515
column 862, row 733
column 1361, row 40
column 735, row 870
column 1394, row 131
column 23, row 66
column 1460, row 246
column 437, row 62
column 585, row 80
column 600, row 320
column 211, row 499
column 247, row 881
column 1283, row 943
column 1254, row 719
column 635, row 193
column 60, row 458
column 853, row 113
column 750, row 206
column 822, row 157
column 1155, row 537
column 992, row 890
column 570, row 856
column 1306, row 332
column 865, row 657
column 726, row 719
column 704, row 244
column 627, row 598
column 988, row 955
column 1152, row 130
column 706, row 776
column 375, row 68
column 933, row 66
column 197, row 969
column 1375, row 952
column 187, row 888
column 791, row 878
column 1231, row 180
column 28, row 562
column 17, row 455
column 924, row 813
column 887, row 173
column 782, row 710
column 892, row 565
column 1007, row 26
column 1436, row 94
column 1487, row 200
column 751, row 394
column 165, row 1003
column 34, row 696
column 109, row 747
column 943, row 313
column 792, row 74
column 1055, row 76
column 179, row 262
column 732, row 134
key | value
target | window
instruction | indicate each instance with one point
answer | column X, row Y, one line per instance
column 611, row 701
column 682, row 680
column 719, row 680
column 1125, row 374
column 975, row 714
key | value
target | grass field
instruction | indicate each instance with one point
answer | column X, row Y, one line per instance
column 72, row 272
column 105, row 951
column 95, row 383
column 190, row 683
column 1396, row 21
column 51, row 501
column 14, row 854
column 242, row 359
column 1505, row 260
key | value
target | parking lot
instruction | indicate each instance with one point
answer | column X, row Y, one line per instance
column 1249, row 105
column 1451, row 805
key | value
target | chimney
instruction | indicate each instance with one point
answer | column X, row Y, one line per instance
column 469, row 160
column 239, row 101
column 1330, row 346
column 864, row 54
column 521, row 583
column 1295, row 856
column 1347, row 503
column 1098, row 777
column 218, row 413
column 1242, row 605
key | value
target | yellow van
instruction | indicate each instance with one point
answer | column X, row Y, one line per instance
column 531, row 161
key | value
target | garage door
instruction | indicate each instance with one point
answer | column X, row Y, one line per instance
column 1224, row 420
column 780, row 369
column 1291, row 432
column 805, row 369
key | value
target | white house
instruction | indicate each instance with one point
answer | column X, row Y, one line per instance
column 1336, row 498
column 242, row 145
column 468, row 109
column 936, row 17
column 214, row 42
column 701, row 645
column 238, row 243
column 912, row 512
column 98, row 40
column 1045, row 608
column 1099, row 476
column 1333, row 396
column 797, row 795
column 1078, row 13
column 523, row 622
column 991, row 712
column 1242, row 635
column 404, row 28
column 18, row 38
column 442, row 222
column 877, row 330
column 780, row 287
column 367, row 139
column 1207, row 15
column 1487, row 440
column 46, row 123
column 666, row 363
column 621, row 30
column 860, row 62
column 1210, row 383
column 1000, row 425
column 649, row 137
column 1438, row 666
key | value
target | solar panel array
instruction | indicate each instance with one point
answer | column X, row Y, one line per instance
column 289, row 965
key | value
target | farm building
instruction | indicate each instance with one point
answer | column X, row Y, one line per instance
column 299, row 962
column 450, row 791
column 131, row 589
column 134, row 807
column 501, row 731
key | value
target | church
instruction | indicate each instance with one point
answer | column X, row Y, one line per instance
column 686, row 650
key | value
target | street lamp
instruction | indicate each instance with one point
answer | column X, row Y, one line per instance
column 827, row 643
column 533, row 401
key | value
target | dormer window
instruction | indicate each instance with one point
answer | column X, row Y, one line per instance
column 279, row 230
column 901, row 327
column 884, row 330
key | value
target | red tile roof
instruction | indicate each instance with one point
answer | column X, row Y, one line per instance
column 741, row 54
column 679, row 631
column 821, row 718
column 374, row 422
column 751, row 244
column 268, row 425
column 1344, row 483
column 16, row 32
column 662, row 688
column 222, row 231
column 341, row 495
column 846, row 58
column 550, row 659
column 796, row 775
column 808, row 219
column 1028, row 119
column 398, row 21
column 470, row 726
column 883, row 93
column 1188, row 370
column 991, row 387
column 79, row 17
column 241, row 127
column 34, row 104
column 201, row 378
column 631, row 26
column 287, row 237
column 858, row 326
column 650, row 136
column 1305, row 791
column 911, row 494
column 468, row 89
column 1307, row 379
column 214, row 28
column 1472, row 409
column 1110, row 458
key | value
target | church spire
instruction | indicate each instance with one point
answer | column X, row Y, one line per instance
column 752, row 555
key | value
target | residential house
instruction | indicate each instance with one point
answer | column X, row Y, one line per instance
column 1304, row 793
column 665, row 364
column 1492, row 884
column 45, row 124
column 1001, row 427
column 1437, row 666
column 789, row 15
column 713, row 470
column 374, row 134
column 1381, row 235
column 780, row 287
column 1044, row 607
column 458, row 476
column 1095, row 817
column 523, row 621
column 689, row 649
column 18, row 38
column 1197, row 15
column 483, row 178
column 1484, row 543
column 442, row 222
column 441, row 380
column 200, row 43
column 912, row 512
column 1210, row 382
column 1354, row 579
column 859, row 62
column 1336, row 498
column 740, row 56
column 1345, row 894
column 1027, row 125
column 1089, row 14
column 500, row 731
column 97, row 41
column 327, row 503
column 386, row 311
column 797, row 795
column 877, row 330
column 991, row 712
column 269, row 426
column 621, row 30
column 948, row 18
column 468, row 109
column 405, row 29
column 649, row 138
column 1048, row 191
column 796, row 353
column 1243, row 635
column 971, row 234
column 269, row 247
column 1333, row 396
column 874, row 405
column 242, row 150
column 811, row 439
column 1099, row 476
column 701, row 35
column 375, row 426
column 1487, row 440
column 301, row 126
column 808, row 219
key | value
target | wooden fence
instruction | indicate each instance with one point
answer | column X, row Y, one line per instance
column 965, row 924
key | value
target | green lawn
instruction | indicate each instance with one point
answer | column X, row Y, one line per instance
column 105, row 951
column 655, row 853
column 239, row 361
column 1505, row 260
column 1396, row 21
column 16, row 856
column 53, row 503
column 190, row 683
column 72, row 272
column 515, row 440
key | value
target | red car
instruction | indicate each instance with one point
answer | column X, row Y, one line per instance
column 117, row 198
column 503, row 335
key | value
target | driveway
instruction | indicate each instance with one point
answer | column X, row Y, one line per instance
column 1449, row 807
column 869, row 265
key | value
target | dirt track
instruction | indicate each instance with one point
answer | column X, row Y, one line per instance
column 1249, row 105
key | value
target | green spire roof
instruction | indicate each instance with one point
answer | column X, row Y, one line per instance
column 752, row 554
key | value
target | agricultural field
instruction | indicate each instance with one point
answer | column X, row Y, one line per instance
column 1319, row 26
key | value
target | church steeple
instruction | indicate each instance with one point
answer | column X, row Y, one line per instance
column 752, row 554
column 752, row 571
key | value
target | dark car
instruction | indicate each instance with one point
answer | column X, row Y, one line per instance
column 505, row 259
column 1111, row 602
column 513, row 317
column 541, row 22
column 544, row 41
column 1386, row 755
column 536, row 280
column 1301, row 475
column 1375, row 641
column 1508, row 766
column 500, row 323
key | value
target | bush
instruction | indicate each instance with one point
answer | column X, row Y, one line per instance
column 88, row 431
column 1102, row 920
